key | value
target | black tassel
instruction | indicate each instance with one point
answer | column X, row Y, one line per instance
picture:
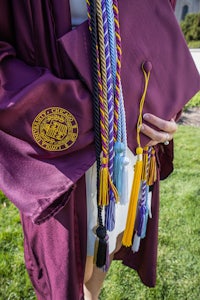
column 102, row 247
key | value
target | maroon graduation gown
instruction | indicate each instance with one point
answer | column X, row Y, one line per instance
column 37, row 33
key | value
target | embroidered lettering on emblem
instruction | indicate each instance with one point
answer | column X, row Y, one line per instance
column 55, row 129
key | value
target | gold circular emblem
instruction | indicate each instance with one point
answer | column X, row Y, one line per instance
column 55, row 129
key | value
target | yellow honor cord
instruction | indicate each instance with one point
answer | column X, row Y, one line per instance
column 139, row 171
column 152, row 174
column 106, row 184
column 145, row 164
column 139, row 122
column 130, row 222
column 103, row 183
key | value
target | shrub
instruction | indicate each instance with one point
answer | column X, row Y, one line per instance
column 191, row 27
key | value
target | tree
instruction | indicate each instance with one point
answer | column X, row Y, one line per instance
column 191, row 27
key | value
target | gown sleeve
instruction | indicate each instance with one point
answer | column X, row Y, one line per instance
column 36, row 179
column 166, row 153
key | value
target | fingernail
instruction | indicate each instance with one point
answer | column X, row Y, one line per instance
column 146, row 116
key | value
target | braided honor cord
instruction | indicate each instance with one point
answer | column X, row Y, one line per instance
column 103, row 22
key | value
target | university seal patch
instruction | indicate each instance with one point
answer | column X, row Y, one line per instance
column 55, row 129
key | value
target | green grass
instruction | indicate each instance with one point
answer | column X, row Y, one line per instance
column 194, row 44
column 178, row 274
column 194, row 102
column 14, row 281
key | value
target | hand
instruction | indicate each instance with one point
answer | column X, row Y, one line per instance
column 164, row 132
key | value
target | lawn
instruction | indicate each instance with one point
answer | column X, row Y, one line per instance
column 178, row 275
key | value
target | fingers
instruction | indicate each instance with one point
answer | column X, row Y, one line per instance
column 164, row 129
column 156, row 136
column 166, row 126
